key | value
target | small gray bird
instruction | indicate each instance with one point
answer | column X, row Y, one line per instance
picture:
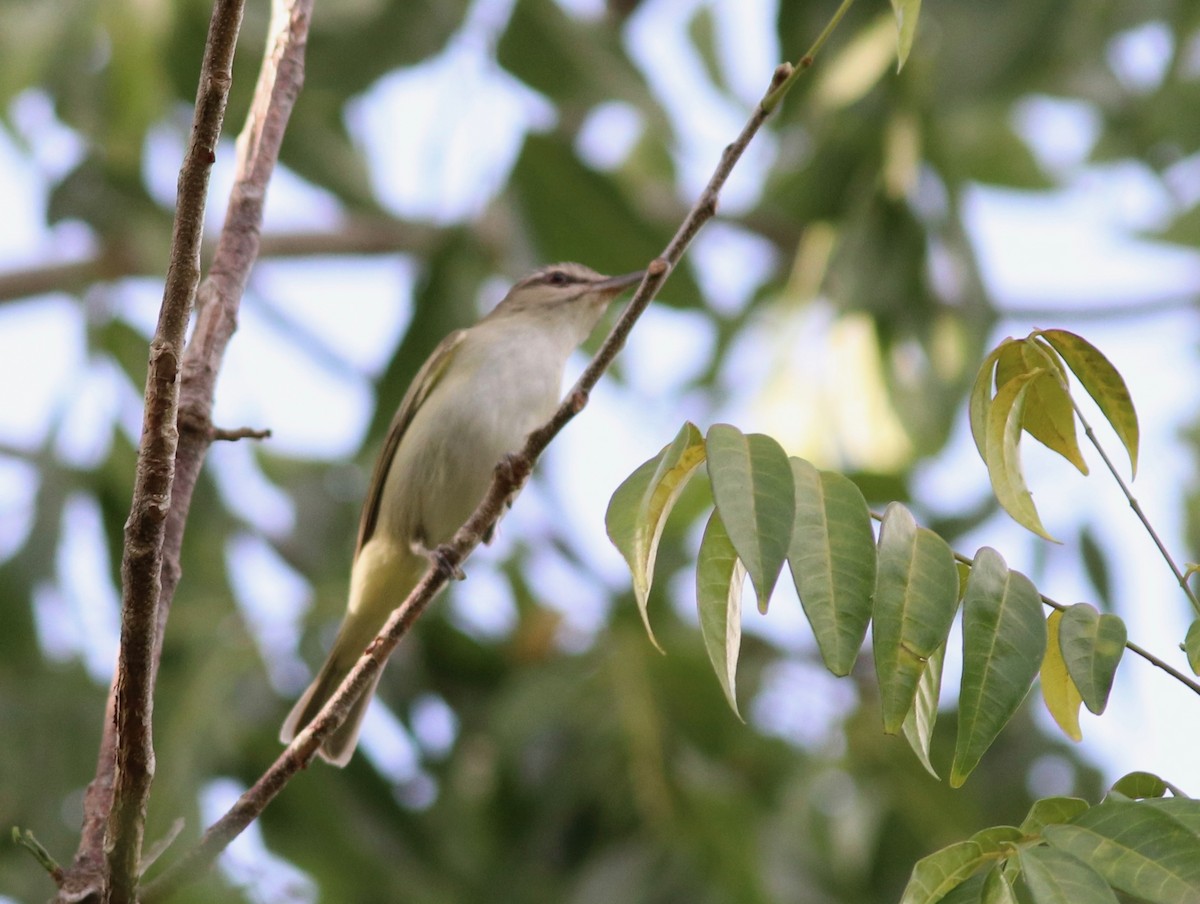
column 476, row 399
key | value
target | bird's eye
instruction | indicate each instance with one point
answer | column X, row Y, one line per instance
column 557, row 278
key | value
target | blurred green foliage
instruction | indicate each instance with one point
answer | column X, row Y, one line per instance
column 610, row 773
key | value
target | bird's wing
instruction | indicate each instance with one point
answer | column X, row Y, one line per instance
column 423, row 383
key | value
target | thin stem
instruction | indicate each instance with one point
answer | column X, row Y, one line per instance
column 1137, row 509
column 776, row 94
column 511, row 473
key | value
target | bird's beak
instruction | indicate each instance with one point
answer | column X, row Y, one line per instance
column 612, row 286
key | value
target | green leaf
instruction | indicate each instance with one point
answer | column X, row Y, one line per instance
column 1139, row 849
column 1092, row 645
column 639, row 508
column 997, row 839
column 1184, row 809
column 752, row 486
column 916, row 596
column 1051, row 811
column 1191, row 646
column 1140, row 785
column 1096, row 566
column 1003, row 456
column 918, row 724
column 1055, row 877
column 907, row 12
column 942, row 871
column 996, row 887
column 1103, row 383
column 832, row 560
column 1049, row 415
column 719, row 580
column 1058, row 690
column 1004, row 639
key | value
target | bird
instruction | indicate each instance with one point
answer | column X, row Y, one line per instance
column 474, row 400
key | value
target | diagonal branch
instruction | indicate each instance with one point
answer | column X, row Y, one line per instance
column 510, row 475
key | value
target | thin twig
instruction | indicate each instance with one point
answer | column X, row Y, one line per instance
column 220, row 434
column 1137, row 509
column 39, row 853
column 509, row 476
column 146, row 528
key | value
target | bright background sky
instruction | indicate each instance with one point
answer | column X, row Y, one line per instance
column 1074, row 251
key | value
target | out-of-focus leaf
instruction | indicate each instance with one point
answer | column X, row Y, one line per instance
column 719, row 580
column 1096, row 565
column 1092, row 646
column 752, row 486
column 1004, row 639
column 832, row 560
column 1137, row 785
column 1138, row 849
column 1003, row 454
column 916, row 595
column 918, row 724
column 1103, row 383
column 640, row 506
column 1058, row 690
column 1055, row 877
column 907, row 12
column 1051, row 811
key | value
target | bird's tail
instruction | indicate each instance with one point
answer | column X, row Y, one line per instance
column 339, row 746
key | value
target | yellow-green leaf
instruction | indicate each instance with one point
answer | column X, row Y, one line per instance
column 1004, row 639
column 1103, row 383
column 1092, row 646
column 981, row 397
column 752, row 487
column 639, row 508
column 907, row 12
column 719, row 580
column 1049, row 414
column 997, row 889
column 832, row 560
column 1003, row 455
column 916, row 596
column 1058, row 690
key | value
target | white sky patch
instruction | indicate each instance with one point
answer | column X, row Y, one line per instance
column 657, row 40
column 608, row 134
column 77, row 617
column 387, row 743
column 560, row 585
column 1139, row 57
column 359, row 312
column 48, row 331
column 1060, row 132
column 19, row 482
column 441, row 137
column 1073, row 247
column 248, row 863
column 483, row 605
column 434, row 725
column 731, row 263
column 265, row 383
column 273, row 598
column 85, row 433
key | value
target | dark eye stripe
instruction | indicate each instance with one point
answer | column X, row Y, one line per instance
column 560, row 278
